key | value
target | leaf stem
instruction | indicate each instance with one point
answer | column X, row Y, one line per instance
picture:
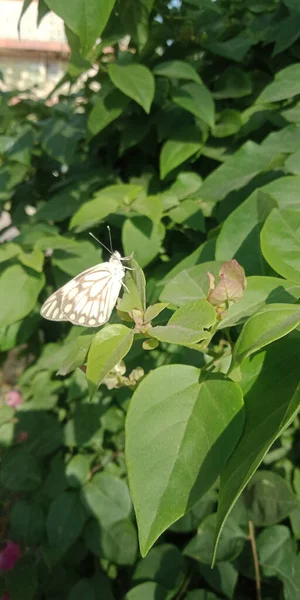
column 255, row 559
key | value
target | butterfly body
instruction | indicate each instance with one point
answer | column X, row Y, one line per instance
column 89, row 298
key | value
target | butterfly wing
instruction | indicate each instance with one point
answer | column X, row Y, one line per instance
column 88, row 299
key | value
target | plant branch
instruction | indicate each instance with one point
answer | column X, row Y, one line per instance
column 255, row 560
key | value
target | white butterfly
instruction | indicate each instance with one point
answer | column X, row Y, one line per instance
column 90, row 297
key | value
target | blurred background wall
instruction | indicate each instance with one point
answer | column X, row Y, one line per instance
column 38, row 56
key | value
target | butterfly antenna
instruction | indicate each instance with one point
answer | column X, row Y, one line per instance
column 110, row 240
column 101, row 243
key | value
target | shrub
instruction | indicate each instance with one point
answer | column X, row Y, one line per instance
column 179, row 128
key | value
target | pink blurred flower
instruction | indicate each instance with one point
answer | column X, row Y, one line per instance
column 5, row 596
column 22, row 437
column 9, row 556
column 14, row 398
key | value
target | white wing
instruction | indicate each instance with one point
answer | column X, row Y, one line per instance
column 88, row 299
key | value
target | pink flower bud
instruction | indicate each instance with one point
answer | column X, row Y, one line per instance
column 9, row 556
column 14, row 398
column 5, row 596
column 231, row 285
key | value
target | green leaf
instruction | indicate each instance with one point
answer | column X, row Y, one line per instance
column 188, row 214
column 20, row 471
column 201, row 595
column 147, row 591
column 269, row 499
column 106, row 110
column 135, row 297
column 59, row 139
column 108, row 347
column 78, row 258
column 187, row 185
column 82, row 589
column 10, row 176
column 192, row 519
column 287, row 34
column 6, row 425
column 34, row 260
column 292, row 163
column 55, row 482
column 228, row 123
column 65, row 520
column 55, row 242
column 231, row 544
column 22, row 580
column 150, row 206
column 8, row 251
column 107, row 499
column 136, row 81
column 197, row 99
column 190, row 284
column 271, row 401
column 25, row 6
column 273, row 545
column 18, row 333
column 75, row 353
column 280, row 242
column 285, row 85
column 266, row 326
column 236, row 172
column 164, row 565
column 260, row 291
column 172, row 415
column 81, row 257
column 61, row 205
column 20, row 289
column 204, row 253
column 154, row 310
column 42, row 11
column 20, row 151
column 44, row 431
column 144, row 238
column 222, row 578
column 177, row 69
column 233, row 83
column 278, row 558
column 93, row 212
column 86, row 18
column 182, row 146
column 134, row 132
column 27, row 523
column 77, row 470
column 117, row 543
column 188, row 324
column 233, row 49
column 105, row 202
column 284, row 140
column 85, row 428
column 135, row 17
column 240, row 234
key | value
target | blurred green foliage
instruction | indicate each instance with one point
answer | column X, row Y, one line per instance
column 127, row 450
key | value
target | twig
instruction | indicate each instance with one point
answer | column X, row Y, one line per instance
column 101, row 465
column 255, row 560
column 185, row 586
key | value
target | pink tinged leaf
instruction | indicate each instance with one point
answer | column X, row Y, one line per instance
column 231, row 285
